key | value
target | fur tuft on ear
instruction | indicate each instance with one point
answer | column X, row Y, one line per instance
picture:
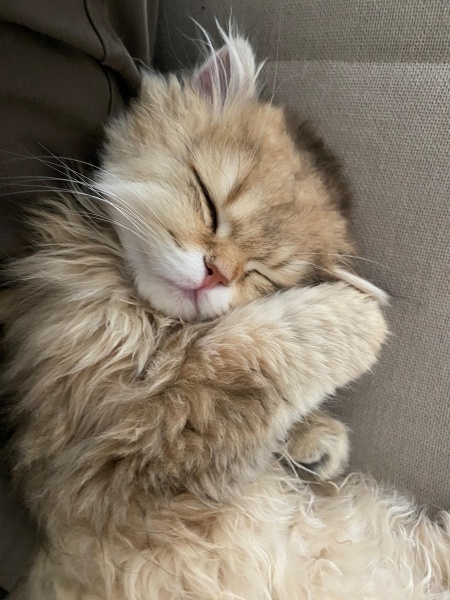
column 229, row 74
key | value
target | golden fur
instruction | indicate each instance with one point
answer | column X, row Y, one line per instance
column 147, row 419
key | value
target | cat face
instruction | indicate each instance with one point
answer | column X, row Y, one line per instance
column 213, row 202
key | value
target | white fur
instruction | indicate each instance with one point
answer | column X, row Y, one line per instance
column 233, row 80
column 281, row 540
column 223, row 229
column 165, row 274
column 227, row 175
column 215, row 301
column 362, row 284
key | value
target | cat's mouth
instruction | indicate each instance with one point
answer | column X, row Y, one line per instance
column 184, row 302
column 185, row 295
column 198, row 304
column 189, row 294
column 194, row 296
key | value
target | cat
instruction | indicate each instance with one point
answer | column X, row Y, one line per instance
column 170, row 340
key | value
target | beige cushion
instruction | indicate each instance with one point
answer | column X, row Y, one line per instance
column 374, row 75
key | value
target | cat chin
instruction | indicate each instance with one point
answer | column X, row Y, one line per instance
column 175, row 302
column 214, row 302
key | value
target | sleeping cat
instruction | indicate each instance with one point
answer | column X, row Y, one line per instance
column 172, row 334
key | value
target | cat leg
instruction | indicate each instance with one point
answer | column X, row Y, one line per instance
column 207, row 415
column 257, row 371
column 319, row 444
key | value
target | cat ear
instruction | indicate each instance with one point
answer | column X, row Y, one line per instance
column 229, row 74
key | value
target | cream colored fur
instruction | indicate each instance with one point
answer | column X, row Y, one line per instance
column 280, row 540
column 148, row 422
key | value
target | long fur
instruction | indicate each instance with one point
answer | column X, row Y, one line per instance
column 147, row 426
column 280, row 540
column 100, row 462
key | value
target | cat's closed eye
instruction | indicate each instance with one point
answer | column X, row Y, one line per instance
column 210, row 204
column 258, row 273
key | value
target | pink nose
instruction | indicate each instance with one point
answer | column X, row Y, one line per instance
column 213, row 277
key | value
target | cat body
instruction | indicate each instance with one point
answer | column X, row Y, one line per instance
column 165, row 345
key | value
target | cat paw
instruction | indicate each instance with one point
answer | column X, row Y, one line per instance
column 319, row 444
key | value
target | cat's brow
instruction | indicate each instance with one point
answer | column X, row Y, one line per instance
column 235, row 191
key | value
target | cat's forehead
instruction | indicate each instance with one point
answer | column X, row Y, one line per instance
column 252, row 222
column 254, row 166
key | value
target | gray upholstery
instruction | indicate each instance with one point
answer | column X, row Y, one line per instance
column 374, row 75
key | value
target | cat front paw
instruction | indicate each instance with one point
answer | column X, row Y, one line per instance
column 319, row 445
column 343, row 326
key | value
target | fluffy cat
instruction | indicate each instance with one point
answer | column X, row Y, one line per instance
column 171, row 335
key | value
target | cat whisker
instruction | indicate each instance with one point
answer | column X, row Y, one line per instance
column 311, row 264
column 105, row 219
column 143, row 226
column 28, row 182
column 90, row 183
column 5, row 181
column 276, row 60
column 285, row 81
column 270, row 102
column 153, row 213
column 139, row 231
column 85, row 179
column 47, row 189
column 95, row 186
column 360, row 258
column 32, row 190
column 349, row 256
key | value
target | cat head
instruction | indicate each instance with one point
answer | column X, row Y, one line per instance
column 215, row 202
